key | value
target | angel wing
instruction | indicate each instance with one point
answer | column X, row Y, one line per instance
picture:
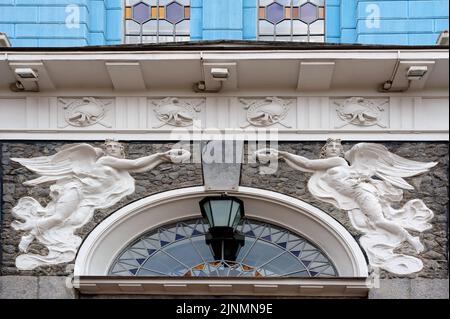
column 60, row 165
column 391, row 168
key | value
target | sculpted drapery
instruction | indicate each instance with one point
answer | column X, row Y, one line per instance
column 83, row 178
column 367, row 182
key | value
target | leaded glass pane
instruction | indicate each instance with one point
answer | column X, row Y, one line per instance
column 309, row 13
column 180, row 250
column 148, row 21
column 291, row 20
column 275, row 13
column 141, row 13
column 174, row 12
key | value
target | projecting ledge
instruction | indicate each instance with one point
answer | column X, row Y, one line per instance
column 289, row 287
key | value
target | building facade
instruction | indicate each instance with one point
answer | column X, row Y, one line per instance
column 84, row 218
column 55, row 23
column 302, row 151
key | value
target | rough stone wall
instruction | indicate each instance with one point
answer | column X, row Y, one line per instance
column 431, row 187
column 165, row 177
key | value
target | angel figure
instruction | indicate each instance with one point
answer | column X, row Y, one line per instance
column 367, row 181
column 83, row 178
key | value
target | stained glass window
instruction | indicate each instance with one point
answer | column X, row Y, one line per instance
column 291, row 20
column 180, row 250
column 154, row 21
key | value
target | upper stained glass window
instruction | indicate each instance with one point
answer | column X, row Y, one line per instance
column 180, row 250
column 291, row 20
column 154, row 21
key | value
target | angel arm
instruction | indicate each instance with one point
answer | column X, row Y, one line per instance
column 307, row 165
column 146, row 163
column 301, row 163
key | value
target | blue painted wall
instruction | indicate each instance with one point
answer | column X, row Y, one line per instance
column 410, row 22
column 51, row 22
column 223, row 19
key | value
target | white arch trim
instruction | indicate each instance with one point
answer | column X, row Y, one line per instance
column 112, row 235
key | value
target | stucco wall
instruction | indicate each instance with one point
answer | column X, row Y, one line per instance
column 50, row 23
column 410, row 22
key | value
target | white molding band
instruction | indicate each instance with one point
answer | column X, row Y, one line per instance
column 123, row 135
column 112, row 235
column 308, row 287
column 174, row 117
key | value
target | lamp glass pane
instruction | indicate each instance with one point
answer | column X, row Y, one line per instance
column 221, row 210
column 209, row 215
column 235, row 215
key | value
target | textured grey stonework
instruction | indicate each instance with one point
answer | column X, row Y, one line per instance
column 432, row 188
column 18, row 287
column 164, row 177
column 33, row 287
column 419, row 288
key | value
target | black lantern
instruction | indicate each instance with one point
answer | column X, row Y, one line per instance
column 223, row 214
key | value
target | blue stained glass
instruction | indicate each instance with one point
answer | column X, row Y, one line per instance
column 282, row 244
column 164, row 243
column 275, row 13
column 250, row 233
column 142, row 16
column 174, row 12
column 177, row 236
column 308, row 13
column 133, row 271
column 196, row 233
column 190, row 255
column 141, row 13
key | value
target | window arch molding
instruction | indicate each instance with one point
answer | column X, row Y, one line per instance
column 116, row 232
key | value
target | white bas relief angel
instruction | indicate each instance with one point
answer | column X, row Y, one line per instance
column 84, row 178
column 367, row 181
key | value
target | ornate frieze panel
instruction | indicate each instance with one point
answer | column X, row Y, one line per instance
column 296, row 117
column 176, row 112
column 86, row 111
column 360, row 111
column 265, row 112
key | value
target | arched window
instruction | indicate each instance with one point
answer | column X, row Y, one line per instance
column 291, row 20
column 154, row 21
column 179, row 249
column 156, row 245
